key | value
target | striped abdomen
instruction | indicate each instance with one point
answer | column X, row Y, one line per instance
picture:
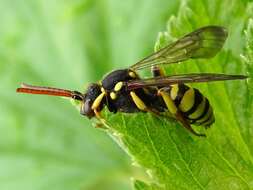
column 194, row 106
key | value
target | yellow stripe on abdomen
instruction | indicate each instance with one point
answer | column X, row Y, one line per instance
column 199, row 110
column 190, row 102
column 209, row 122
column 207, row 115
column 187, row 100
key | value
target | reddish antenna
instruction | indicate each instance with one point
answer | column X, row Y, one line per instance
column 30, row 89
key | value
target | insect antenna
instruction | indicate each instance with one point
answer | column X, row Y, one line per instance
column 30, row 89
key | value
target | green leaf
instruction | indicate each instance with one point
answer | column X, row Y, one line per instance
column 173, row 158
column 140, row 185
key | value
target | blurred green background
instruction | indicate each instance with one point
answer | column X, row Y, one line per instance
column 44, row 142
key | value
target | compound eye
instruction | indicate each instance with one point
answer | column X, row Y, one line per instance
column 77, row 97
column 86, row 109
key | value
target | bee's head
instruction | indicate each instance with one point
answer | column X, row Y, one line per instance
column 93, row 91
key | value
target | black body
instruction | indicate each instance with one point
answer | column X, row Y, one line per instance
column 124, row 102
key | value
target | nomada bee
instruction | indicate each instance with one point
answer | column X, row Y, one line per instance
column 124, row 91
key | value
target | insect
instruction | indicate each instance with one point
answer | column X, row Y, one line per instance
column 124, row 91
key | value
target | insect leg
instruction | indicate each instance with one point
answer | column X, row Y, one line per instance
column 95, row 107
column 176, row 112
column 98, row 101
column 138, row 102
column 157, row 71
column 142, row 106
column 101, row 123
column 187, row 125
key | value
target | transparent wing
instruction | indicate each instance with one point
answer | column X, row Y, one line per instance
column 205, row 42
column 179, row 79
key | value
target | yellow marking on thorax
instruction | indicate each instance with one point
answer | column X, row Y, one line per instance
column 187, row 101
column 97, row 101
column 113, row 95
column 132, row 74
column 118, row 86
column 174, row 91
column 169, row 102
column 200, row 109
column 138, row 102
column 208, row 114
